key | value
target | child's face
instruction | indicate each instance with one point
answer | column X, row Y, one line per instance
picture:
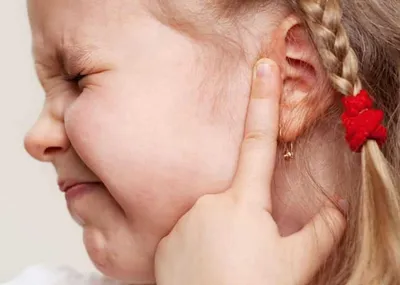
column 152, row 119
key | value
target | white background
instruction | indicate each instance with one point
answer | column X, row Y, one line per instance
column 34, row 224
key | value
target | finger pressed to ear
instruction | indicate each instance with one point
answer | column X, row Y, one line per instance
column 258, row 151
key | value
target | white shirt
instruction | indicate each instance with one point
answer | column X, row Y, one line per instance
column 45, row 275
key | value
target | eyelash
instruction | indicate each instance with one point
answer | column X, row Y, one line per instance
column 77, row 78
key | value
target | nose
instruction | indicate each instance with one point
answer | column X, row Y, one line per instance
column 46, row 139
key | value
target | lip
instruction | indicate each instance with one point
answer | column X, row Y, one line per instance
column 75, row 189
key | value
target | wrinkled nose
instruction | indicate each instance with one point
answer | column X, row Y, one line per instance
column 46, row 139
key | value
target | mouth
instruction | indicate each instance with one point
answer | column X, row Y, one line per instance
column 73, row 189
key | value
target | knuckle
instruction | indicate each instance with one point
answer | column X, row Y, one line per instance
column 205, row 200
column 162, row 244
column 257, row 139
column 212, row 203
column 256, row 136
column 162, row 248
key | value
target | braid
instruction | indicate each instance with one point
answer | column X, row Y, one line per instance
column 324, row 20
column 379, row 184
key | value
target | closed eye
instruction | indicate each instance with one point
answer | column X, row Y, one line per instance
column 76, row 78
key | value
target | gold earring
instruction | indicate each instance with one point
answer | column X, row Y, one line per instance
column 288, row 152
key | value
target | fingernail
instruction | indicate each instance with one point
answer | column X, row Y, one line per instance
column 263, row 69
column 344, row 205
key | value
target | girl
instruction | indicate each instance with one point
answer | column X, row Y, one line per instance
column 144, row 114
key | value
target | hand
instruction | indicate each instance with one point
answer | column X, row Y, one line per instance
column 231, row 238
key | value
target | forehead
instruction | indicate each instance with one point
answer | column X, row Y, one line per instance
column 62, row 27
column 71, row 22
column 45, row 14
column 44, row 10
column 68, row 18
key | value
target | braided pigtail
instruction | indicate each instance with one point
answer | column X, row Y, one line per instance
column 376, row 257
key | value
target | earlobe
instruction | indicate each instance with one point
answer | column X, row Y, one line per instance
column 305, row 94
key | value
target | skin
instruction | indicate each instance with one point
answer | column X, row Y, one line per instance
column 231, row 237
column 158, row 118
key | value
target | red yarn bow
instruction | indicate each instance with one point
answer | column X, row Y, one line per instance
column 362, row 122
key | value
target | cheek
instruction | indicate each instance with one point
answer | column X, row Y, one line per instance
column 156, row 159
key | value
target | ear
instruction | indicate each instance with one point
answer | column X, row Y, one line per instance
column 306, row 95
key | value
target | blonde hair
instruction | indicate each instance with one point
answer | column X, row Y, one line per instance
column 359, row 46
column 375, row 242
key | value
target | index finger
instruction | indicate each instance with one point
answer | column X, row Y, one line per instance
column 252, row 182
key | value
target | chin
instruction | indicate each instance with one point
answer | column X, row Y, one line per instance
column 128, row 277
column 124, row 272
column 117, row 262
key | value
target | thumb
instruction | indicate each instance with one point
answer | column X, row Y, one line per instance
column 310, row 247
